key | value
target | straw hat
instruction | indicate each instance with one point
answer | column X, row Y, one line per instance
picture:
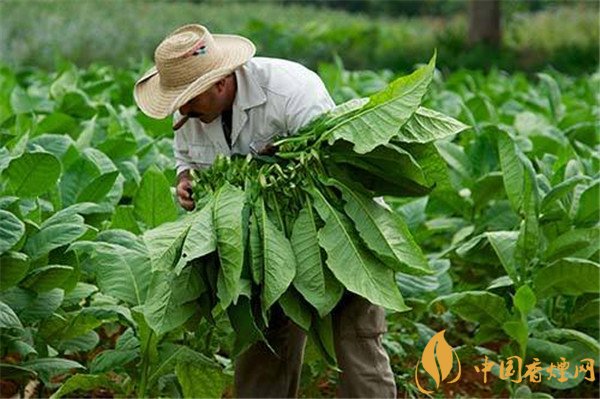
column 188, row 62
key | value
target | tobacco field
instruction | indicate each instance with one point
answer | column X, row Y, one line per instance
column 108, row 288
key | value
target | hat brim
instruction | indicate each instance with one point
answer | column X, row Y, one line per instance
column 158, row 101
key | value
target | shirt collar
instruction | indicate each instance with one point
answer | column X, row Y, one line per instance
column 249, row 93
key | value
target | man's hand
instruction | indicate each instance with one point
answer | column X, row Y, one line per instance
column 269, row 150
column 184, row 191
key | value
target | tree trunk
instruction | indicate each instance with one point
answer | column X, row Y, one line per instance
column 484, row 22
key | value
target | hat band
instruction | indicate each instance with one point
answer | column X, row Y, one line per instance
column 179, row 72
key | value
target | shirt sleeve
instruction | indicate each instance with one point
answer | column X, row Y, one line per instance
column 309, row 101
column 181, row 147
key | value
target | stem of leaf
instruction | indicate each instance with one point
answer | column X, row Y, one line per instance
column 208, row 340
column 145, row 364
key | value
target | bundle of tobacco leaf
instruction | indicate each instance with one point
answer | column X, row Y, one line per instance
column 301, row 226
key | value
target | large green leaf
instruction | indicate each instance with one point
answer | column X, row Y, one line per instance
column 30, row 306
column 279, row 260
column 21, row 347
column 432, row 165
column 512, row 170
column 56, row 144
column 321, row 334
column 170, row 298
column 566, row 335
column 19, row 143
column 313, row 280
column 386, row 112
column 83, row 343
column 561, row 190
column 77, row 103
column 85, row 383
column 13, row 267
column 14, row 372
column 148, row 340
column 80, row 292
column 124, row 218
column 456, row 158
column 487, row 188
column 588, row 310
column 46, row 368
column 429, row 285
column 244, row 325
column 256, row 254
column 296, row 308
column 169, row 355
column 588, row 211
column 165, row 243
column 53, row 236
column 11, row 230
column 71, row 214
column 428, row 125
column 201, row 238
column 33, row 173
column 351, row 262
column 71, row 325
column 384, row 232
column 76, row 177
column 153, row 202
column 574, row 243
column 573, row 345
column 94, row 316
column 97, row 189
column 113, row 360
column 123, row 272
column 386, row 170
column 67, row 81
column 528, row 243
column 5, row 159
column 518, row 331
column 478, row 307
column 524, row 299
column 201, row 381
column 578, row 353
column 505, row 244
column 8, row 318
column 227, row 220
column 547, row 350
column 21, row 102
column 554, row 96
column 58, row 123
column 567, row 276
column 45, row 278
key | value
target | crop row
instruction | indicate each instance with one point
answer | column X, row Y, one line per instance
column 85, row 183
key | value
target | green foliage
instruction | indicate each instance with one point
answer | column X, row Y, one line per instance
column 508, row 221
column 386, row 112
column 316, row 283
column 96, row 266
column 565, row 37
column 148, row 202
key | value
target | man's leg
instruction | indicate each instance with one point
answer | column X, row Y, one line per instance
column 366, row 372
column 261, row 374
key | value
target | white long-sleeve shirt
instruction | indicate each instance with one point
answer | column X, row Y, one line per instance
column 274, row 98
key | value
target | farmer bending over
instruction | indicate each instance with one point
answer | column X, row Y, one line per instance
column 228, row 102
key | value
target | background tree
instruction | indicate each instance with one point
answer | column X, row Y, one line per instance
column 484, row 22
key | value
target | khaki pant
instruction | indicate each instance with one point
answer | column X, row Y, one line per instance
column 357, row 328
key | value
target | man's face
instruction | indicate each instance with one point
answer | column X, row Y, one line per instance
column 206, row 106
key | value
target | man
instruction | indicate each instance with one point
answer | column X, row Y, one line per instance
column 226, row 102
